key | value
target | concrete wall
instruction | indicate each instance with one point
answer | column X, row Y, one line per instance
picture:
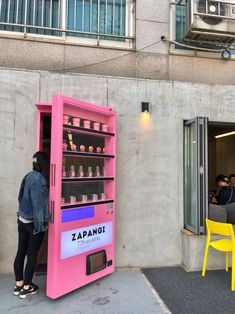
column 193, row 249
column 149, row 160
column 152, row 21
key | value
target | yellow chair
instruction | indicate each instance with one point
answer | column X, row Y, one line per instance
column 224, row 245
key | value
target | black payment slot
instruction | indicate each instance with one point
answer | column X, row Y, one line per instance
column 96, row 262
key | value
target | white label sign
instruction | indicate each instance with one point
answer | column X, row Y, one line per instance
column 78, row 241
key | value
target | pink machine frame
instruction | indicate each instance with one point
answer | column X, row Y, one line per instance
column 65, row 274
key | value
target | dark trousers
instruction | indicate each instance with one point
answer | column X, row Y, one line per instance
column 28, row 245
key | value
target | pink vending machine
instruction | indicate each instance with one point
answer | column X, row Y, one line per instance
column 81, row 140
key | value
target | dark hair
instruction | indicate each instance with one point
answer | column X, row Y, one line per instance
column 221, row 178
column 232, row 175
column 42, row 164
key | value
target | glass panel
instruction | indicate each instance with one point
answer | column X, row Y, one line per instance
column 88, row 157
column 82, row 192
column 180, row 22
column 98, row 16
column 30, row 12
column 180, row 19
column 82, row 167
column 190, row 189
column 83, row 143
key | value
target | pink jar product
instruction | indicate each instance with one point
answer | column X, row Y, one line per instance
column 72, row 199
column 89, row 172
column 65, row 146
column 87, row 124
column 104, row 127
column 98, row 149
column 82, row 148
column 73, row 147
column 76, row 121
column 91, row 149
column 103, row 150
column 64, row 174
column 102, row 196
column 72, row 171
column 80, row 171
column 94, row 197
column 97, row 171
column 62, row 200
column 96, row 126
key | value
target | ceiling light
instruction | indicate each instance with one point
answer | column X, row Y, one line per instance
column 225, row 134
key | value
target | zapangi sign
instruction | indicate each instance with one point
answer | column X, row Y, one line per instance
column 78, row 241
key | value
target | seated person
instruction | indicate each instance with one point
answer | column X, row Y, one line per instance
column 226, row 193
column 212, row 197
column 232, row 180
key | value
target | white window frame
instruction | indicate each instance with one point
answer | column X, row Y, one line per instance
column 189, row 53
column 64, row 39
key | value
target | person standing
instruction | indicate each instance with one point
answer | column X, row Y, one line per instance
column 33, row 216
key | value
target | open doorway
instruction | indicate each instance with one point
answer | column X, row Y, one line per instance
column 221, row 156
column 208, row 152
column 45, row 145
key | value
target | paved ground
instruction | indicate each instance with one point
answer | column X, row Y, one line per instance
column 124, row 292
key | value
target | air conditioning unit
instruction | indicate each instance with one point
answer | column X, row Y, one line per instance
column 210, row 21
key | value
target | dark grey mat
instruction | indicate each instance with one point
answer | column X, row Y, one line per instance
column 189, row 293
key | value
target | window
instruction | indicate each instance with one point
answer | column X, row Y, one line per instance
column 181, row 25
column 42, row 13
column 104, row 16
column 77, row 18
column 179, row 21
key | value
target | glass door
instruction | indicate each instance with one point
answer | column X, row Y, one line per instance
column 195, row 174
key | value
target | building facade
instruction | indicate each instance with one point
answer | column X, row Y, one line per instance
column 110, row 53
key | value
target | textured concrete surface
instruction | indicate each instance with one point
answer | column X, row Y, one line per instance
column 124, row 292
column 149, row 154
column 19, row 90
column 151, row 20
column 193, row 248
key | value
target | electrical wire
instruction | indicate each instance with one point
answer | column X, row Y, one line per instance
column 163, row 39
column 192, row 47
column 108, row 60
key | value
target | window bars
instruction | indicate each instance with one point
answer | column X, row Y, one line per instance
column 100, row 19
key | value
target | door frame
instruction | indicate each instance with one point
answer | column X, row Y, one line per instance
column 201, row 207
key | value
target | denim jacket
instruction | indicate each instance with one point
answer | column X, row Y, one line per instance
column 34, row 200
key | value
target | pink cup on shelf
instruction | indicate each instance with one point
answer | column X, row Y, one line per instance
column 96, row 126
column 76, row 121
column 87, row 124
column 66, row 119
column 82, row 148
column 104, row 127
column 84, row 198
column 72, row 199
